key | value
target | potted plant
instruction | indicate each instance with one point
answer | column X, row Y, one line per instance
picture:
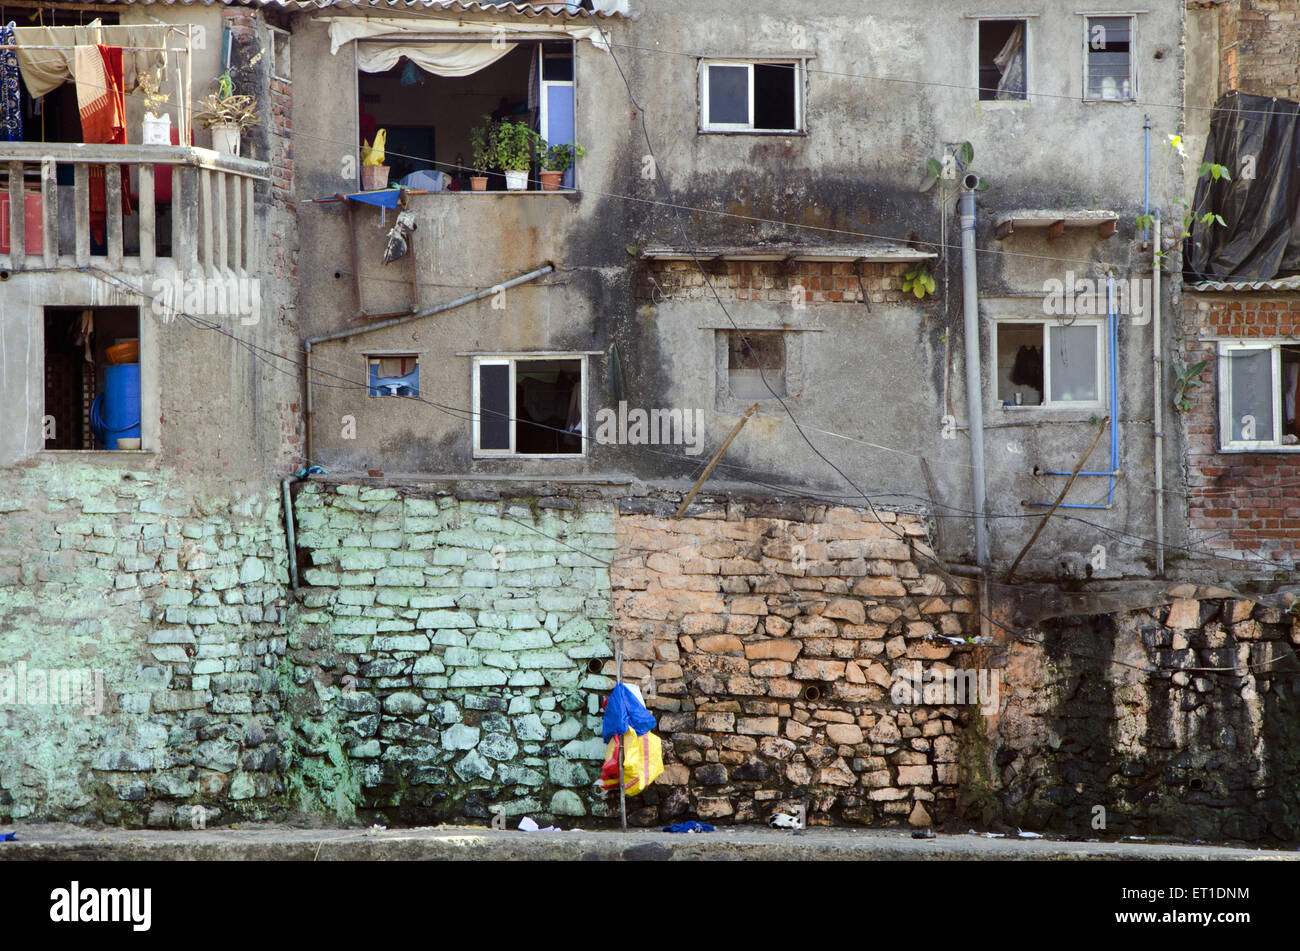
column 556, row 160
column 482, row 144
column 227, row 115
column 515, row 145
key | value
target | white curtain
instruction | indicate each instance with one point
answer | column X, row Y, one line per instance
column 441, row 59
column 395, row 29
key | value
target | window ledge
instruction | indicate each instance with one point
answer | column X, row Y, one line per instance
column 99, row 454
column 789, row 133
column 1258, row 451
column 557, row 191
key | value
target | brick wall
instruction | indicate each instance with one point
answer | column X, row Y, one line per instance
column 1243, row 503
column 731, row 619
column 835, row 282
column 1259, row 42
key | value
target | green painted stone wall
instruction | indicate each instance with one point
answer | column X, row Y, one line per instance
column 442, row 653
column 153, row 611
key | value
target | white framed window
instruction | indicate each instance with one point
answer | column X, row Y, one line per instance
column 751, row 96
column 1109, row 66
column 530, row 406
column 280, row 54
column 1050, row 363
column 1258, row 385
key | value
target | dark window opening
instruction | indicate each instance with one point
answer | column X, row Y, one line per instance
column 753, row 357
column 1020, row 364
column 92, row 378
column 774, row 96
column 548, row 403
column 429, row 120
column 1002, row 59
column 494, row 406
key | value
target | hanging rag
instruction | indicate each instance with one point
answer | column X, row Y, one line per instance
column 1028, row 368
column 1010, row 62
column 689, row 826
column 86, row 332
column 11, row 111
column 102, row 105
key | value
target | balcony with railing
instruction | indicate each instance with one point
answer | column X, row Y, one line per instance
column 191, row 206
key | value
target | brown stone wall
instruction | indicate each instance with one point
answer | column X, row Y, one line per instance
column 822, row 282
column 728, row 619
column 1260, row 47
column 1242, row 501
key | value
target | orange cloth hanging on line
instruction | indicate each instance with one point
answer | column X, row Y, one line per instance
column 97, row 71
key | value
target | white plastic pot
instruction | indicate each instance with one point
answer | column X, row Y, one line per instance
column 157, row 129
column 517, row 181
column 225, row 138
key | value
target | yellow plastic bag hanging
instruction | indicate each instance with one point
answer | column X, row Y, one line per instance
column 643, row 761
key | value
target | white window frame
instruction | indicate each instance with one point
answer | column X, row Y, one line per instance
column 1048, row 323
column 512, row 360
column 281, row 36
column 800, row 71
column 1226, row 442
column 1132, row 52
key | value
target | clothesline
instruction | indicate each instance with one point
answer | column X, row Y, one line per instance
column 138, row 49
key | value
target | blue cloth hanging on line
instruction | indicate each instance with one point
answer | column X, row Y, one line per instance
column 11, row 105
column 624, row 710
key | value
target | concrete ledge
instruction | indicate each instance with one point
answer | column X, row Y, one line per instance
column 57, row 842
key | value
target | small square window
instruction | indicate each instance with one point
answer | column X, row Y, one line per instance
column 1110, row 59
column 529, row 406
column 754, row 356
column 92, row 379
column 280, row 54
column 1002, row 59
column 1259, row 395
column 394, row 374
column 1049, row 364
column 751, row 97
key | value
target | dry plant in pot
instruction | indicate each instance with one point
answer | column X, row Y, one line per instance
column 227, row 115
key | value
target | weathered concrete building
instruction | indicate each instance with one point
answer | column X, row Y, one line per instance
column 803, row 233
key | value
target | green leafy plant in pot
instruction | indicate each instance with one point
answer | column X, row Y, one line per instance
column 483, row 153
column 515, row 145
column 556, row 160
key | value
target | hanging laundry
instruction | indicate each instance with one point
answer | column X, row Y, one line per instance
column 11, row 113
column 45, row 53
column 1028, row 368
column 102, row 105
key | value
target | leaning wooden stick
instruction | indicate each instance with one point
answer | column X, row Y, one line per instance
column 714, row 461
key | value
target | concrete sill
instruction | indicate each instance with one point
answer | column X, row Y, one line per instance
column 93, row 455
column 558, row 191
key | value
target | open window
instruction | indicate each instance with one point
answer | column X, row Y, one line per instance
column 430, row 95
column 1109, row 59
column 739, row 96
column 393, row 374
column 1050, row 364
column 1259, row 393
column 1002, row 59
column 752, row 357
column 530, row 406
column 92, row 378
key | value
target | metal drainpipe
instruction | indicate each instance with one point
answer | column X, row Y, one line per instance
column 370, row 328
column 974, row 366
column 1158, row 395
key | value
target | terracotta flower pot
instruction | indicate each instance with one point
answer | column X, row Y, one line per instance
column 478, row 183
column 374, row 177
column 551, row 181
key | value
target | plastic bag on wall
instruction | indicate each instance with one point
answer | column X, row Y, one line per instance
column 642, row 761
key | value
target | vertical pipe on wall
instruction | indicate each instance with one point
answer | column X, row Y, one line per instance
column 1158, row 397
column 974, row 367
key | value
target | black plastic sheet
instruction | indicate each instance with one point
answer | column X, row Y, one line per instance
column 1260, row 237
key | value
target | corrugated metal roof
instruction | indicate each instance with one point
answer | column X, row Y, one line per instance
column 1279, row 284
column 468, row 6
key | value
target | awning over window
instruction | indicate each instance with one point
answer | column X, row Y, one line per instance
column 441, row 48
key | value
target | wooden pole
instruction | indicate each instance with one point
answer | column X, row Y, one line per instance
column 622, row 786
column 717, row 456
column 1059, row 499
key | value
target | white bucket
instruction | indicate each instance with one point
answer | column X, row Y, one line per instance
column 517, row 181
column 225, row 138
column 157, row 129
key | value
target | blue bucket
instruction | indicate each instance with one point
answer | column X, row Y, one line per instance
column 115, row 413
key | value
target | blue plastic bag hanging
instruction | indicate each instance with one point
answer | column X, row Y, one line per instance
column 625, row 710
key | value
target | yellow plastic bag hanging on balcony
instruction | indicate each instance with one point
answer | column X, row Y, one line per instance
column 643, row 761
